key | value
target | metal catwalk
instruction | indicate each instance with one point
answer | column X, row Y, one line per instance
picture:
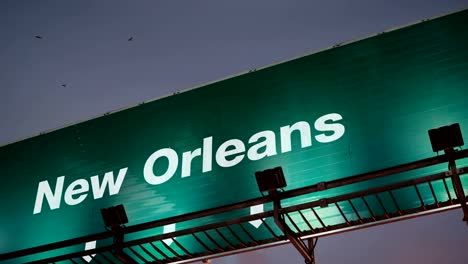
column 375, row 204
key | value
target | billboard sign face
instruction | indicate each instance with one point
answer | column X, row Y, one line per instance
column 347, row 110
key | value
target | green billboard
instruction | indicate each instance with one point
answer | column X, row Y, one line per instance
column 360, row 107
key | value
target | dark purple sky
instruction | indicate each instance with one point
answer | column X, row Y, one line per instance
column 183, row 44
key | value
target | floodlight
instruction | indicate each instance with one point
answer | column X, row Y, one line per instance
column 446, row 137
column 114, row 216
column 270, row 179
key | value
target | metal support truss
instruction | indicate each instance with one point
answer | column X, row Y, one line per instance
column 368, row 205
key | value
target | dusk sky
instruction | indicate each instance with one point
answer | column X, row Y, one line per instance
column 83, row 65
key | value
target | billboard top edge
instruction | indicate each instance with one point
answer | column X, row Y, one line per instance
column 338, row 45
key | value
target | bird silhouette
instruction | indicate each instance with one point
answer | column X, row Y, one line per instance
column 130, row 39
column 38, row 37
column 64, row 85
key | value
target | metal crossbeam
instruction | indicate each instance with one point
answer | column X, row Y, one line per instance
column 359, row 209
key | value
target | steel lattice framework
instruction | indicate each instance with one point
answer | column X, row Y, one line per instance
column 291, row 223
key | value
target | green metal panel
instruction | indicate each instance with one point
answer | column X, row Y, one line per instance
column 388, row 90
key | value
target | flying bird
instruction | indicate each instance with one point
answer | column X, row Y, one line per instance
column 130, row 39
column 64, row 85
column 38, row 37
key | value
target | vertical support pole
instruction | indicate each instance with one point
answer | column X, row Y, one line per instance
column 311, row 244
column 118, row 246
column 457, row 185
column 304, row 250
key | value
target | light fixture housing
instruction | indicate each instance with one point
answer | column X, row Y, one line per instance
column 271, row 179
column 446, row 137
column 114, row 216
